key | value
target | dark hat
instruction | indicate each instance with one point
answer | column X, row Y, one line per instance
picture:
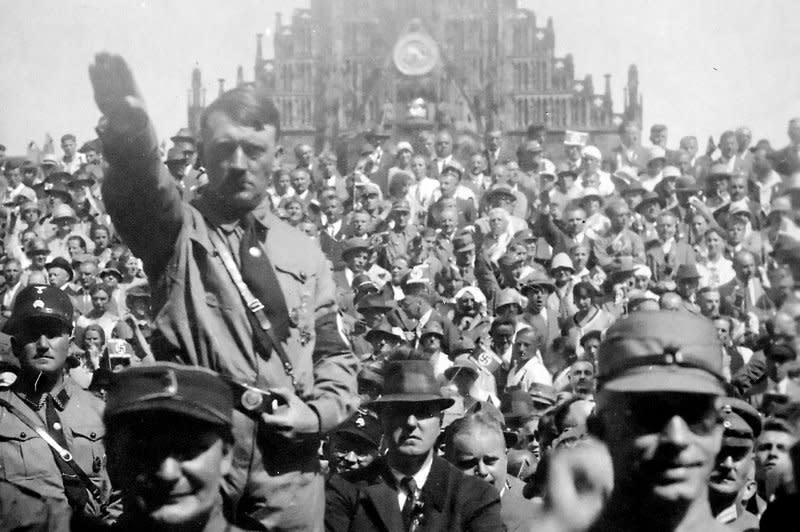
column 91, row 145
column 499, row 190
column 110, row 270
column 401, row 205
column 383, row 329
column 59, row 188
column 509, row 260
column 589, row 335
column 463, row 243
column 564, row 169
column 719, row 170
column 621, row 268
column 138, row 290
column 61, row 262
column 780, row 352
column 537, row 278
column 687, row 271
column 462, row 345
column 635, row 186
column 686, row 183
column 184, row 134
column 453, row 165
column 362, row 280
column 516, row 404
column 643, row 353
column 371, row 372
column 373, row 301
column 354, row 244
column 411, row 381
column 364, row 425
column 189, row 391
column 175, row 156
column 39, row 301
column 81, row 177
column 432, row 327
column 524, row 235
column 742, row 422
column 366, row 149
column 59, row 176
column 376, row 134
column 650, row 197
column 37, row 245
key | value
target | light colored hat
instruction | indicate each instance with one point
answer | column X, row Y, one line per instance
column 546, row 167
column 640, row 270
column 561, row 260
column 49, row 159
column 670, row 171
column 656, row 152
column 404, row 145
column 593, row 152
column 63, row 211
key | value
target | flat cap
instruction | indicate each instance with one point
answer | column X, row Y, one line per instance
column 401, row 205
column 189, row 391
column 39, row 301
column 643, row 352
column 353, row 244
column 742, row 421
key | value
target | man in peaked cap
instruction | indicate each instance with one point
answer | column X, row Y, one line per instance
column 411, row 486
column 657, row 412
column 356, row 443
column 52, row 431
column 170, row 442
column 732, row 481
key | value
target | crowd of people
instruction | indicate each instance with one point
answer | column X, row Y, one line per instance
column 433, row 336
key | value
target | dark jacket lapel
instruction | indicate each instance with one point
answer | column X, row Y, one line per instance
column 383, row 497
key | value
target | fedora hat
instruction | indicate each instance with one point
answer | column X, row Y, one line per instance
column 184, row 134
column 411, row 381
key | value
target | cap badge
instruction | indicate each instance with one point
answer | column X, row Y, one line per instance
column 254, row 252
column 360, row 423
column 170, row 382
column 38, row 304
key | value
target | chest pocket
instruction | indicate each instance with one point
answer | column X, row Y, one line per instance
column 88, row 448
column 23, row 454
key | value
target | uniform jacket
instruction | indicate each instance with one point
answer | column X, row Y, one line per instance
column 27, row 461
column 367, row 500
column 517, row 512
column 502, row 156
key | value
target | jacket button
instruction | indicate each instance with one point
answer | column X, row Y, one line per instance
column 93, row 435
column 23, row 435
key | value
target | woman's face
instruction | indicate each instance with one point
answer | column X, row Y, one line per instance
column 132, row 267
column 583, row 302
column 580, row 257
column 295, row 212
column 498, row 224
column 100, row 301
column 714, row 245
column 282, row 183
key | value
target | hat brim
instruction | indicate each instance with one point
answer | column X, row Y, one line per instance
column 394, row 398
column 347, row 251
column 452, row 371
column 666, row 379
column 171, row 405
column 500, row 193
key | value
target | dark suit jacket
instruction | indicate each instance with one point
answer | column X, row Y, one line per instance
column 366, row 500
column 762, row 305
column 664, row 266
column 504, row 156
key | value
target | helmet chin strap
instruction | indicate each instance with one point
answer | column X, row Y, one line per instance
column 36, row 382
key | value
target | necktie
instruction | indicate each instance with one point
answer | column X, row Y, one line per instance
column 258, row 274
column 410, row 485
column 76, row 493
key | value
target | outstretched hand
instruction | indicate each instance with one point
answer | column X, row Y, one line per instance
column 115, row 90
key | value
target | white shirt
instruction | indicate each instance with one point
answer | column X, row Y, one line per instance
column 441, row 162
column 532, row 371
column 420, row 477
column 333, row 228
column 716, row 273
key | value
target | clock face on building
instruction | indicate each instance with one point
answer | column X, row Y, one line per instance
column 415, row 54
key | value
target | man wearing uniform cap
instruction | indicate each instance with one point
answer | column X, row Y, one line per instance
column 657, row 413
column 170, row 443
column 401, row 234
column 732, row 481
column 411, row 488
column 278, row 329
column 51, row 430
column 356, row 443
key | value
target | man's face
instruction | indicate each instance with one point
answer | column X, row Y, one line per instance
column 467, row 306
column 370, row 201
column 728, row 146
column 348, row 452
column 14, row 177
column 743, row 138
column 772, row 455
column 525, row 346
column 399, row 270
column 357, row 260
column 12, row 273
column 666, row 227
column 631, row 136
column 709, row 303
column 575, row 220
column 663, row 444
column 659, row 137
column 501, row 338
column 68, row 146
column 580, row 257
column 794, row 131
column 86, row 273
column 448, row 221
column 738, row 188
column 745, row 266
column 57, row 276
column 732, row 469
column 304, row 154
column 723, row 331
column 573, row 153
column 411, row 428
column 171, row 477
column 689, row 145
column 238, row 160
column 581, row 378
column 481, row 452
column 448, row 183
column 493, row 139
column 591, row 346
column 477, row 164
column 332, row 209
column 536, row 298
column 100, row 239
column 418, row 167
column 444, row 145
column 620, row 217
column 300, row 180
column 42, row 345
column 100, row 301
column 736, row 231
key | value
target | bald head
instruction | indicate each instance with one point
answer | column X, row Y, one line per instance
column 670, row 301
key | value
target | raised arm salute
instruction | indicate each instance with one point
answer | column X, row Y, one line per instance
column 235, row 289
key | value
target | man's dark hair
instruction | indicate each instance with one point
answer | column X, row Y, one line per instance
column 248, row 105
column 68, row 136
column 501, row 322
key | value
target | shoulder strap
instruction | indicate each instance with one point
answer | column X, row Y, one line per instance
column 63, row 453
column 263, row 333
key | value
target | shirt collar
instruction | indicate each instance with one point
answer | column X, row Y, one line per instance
column 211, row 212
column 60, row 395
column 420, row 477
